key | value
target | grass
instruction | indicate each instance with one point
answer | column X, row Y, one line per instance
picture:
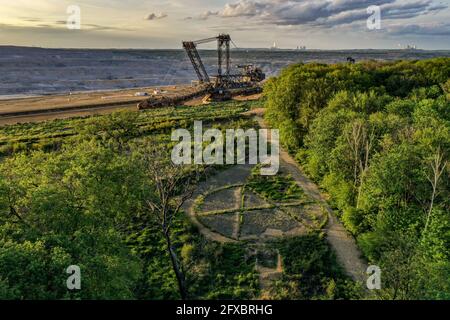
column 256, row 222
column 49, row 135
column 311, row 271
column 216, row 271
column 279, row 188
column 267, row 258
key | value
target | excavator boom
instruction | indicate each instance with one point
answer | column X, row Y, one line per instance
column 225, row 84
column 223, row 49
column 191, row 50
column 224, row 79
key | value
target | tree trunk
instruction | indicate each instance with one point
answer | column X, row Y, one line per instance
column 430, row 210
column 438, row 166
column 176, row 268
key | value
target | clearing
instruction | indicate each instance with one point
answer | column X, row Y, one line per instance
column 236, row 206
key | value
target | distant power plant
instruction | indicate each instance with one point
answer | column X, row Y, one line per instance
column 408, row 47
column 274, row 47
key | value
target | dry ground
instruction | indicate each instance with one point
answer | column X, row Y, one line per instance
column 63, row 106
column 36, row 109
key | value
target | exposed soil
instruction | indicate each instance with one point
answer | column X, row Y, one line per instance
column 276, row 224
column 251, row 97
column 221, row 200
column 222, row 223
column 9, row 120
column 252, row 200
column 42, row 108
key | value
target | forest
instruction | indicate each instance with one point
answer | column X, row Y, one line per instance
column 91, row 192
column 376, row 137
column 100, row 193
column 78, row 192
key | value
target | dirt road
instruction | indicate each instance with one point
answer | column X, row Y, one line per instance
column 340, row 240
column 62, row 106
column 81, row 104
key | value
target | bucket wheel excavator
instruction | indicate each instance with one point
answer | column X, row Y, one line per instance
column 220, row 87
column 225, row 84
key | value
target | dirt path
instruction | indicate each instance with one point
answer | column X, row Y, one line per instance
column 268, row 275
column 70, row 105
column 343, row 244
column 237, row 215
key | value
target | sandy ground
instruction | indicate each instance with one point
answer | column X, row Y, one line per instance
column 199, row 101
column 63, row 114
column 63, row 106
column 194, row 102
column 70, row 100
column 36, row 109
column 252, row 97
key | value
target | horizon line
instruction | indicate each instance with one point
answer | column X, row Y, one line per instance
column 212, row 49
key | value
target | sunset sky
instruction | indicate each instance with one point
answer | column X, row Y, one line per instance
column 319, row 24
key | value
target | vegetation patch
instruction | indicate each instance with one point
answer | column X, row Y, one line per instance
column 376, row 137
column 257, row 222
column 279, row 188
column 310, row 271
column 312, row 216
column 69, row 186
column 252, row 200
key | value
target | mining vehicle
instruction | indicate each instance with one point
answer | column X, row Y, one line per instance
column 220, row 87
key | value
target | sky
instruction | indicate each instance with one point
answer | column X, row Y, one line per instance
column 159, row 24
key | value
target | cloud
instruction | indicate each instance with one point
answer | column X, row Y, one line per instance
column 425, row 29
column 204, row 16
column 245, row 8
column 323, row 12
column 61, row 37
column 92, row 26
column 30, row 19
column 156, row 16
column 207, row 14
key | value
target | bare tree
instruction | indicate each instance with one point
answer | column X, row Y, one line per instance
column 173, row 185
column 360, row 142
column 438, row 165
column 354, row 140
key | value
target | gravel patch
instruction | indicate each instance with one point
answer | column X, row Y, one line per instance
column 257, row 222
column 223, row 223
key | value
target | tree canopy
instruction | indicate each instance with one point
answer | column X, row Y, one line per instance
column 376, row 136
